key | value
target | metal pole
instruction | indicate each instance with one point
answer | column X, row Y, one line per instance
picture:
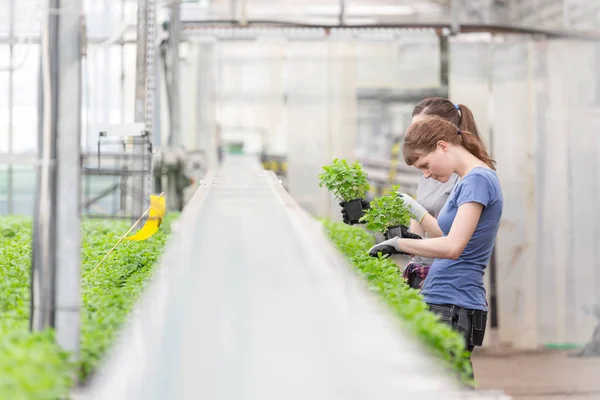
column 11, row 35
column 44, row 229
column 174, row 198
column 56, row 298
column 122, row 75
column 118, row 196
column 493, row 269
column 106, row 92
column 134, row 184
column 144, row 99
column 342, row 12
column 68, row 180
column 243, row 19
column 174, row 41
column 444, row 57
column 455, row 7
column 151, row 90
column 140, row 69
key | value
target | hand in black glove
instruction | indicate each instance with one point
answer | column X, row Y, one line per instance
column 391, row 246
column 365, row 206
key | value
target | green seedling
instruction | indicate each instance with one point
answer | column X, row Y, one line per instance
column 346, row 181
column 32, row 365
column 386, row 211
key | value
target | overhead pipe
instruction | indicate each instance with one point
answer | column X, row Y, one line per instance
column 190, row 26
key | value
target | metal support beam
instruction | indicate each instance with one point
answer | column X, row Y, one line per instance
column 444, row 57
column 122, row 70
column 255, row 28
column 173, row 195
column 89, row 201
column 144, row 98
column 44, row 228
column 56, row 299
column 141, row 74
column 11, row 34
column 455, row 8
column 342, row 12
column 140, row 67
column 174, row 74
column 68, row 213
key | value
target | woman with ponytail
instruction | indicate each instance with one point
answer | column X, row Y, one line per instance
column 438, row 107
column 468, row 223
column 432, row 194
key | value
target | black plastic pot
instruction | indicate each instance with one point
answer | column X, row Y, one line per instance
column 393, row 231
column 354, row 209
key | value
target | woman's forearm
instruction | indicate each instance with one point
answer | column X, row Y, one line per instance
column 416, row 228
column 430, row 224
column 440, row 247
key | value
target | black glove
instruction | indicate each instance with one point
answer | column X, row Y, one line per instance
column 390, row 246
column 406, row 234
column 365, row 206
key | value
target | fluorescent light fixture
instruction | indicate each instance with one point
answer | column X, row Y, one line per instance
column 330, row 10
column 360, row 10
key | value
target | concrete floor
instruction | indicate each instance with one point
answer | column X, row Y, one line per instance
column 544, row 374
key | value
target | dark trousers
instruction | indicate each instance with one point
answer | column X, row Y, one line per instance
column 469, row 323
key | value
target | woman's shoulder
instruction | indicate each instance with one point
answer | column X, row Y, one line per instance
column 481, row 174
column 480, row 178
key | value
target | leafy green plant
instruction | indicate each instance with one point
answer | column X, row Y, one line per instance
column 110, row 292
column 383, row 278
column 346, row 181
column 386, row 211
column 32, row 366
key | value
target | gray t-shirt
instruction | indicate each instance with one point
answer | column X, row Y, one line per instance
column 432, row 195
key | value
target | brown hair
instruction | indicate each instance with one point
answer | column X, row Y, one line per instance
column 459, row 114
column 422, row 138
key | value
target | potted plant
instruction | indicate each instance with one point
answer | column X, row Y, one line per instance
column 349, row 185
column 387, row 214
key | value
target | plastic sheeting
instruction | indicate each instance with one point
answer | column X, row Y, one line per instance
column 308, row 117
column 568, row 187
column 295, row 94
column 541, row 101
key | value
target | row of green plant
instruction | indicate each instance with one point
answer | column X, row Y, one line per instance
column 383, row 278
column 348, row 183
column 32, row 366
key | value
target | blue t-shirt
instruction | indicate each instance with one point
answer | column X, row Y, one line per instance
column 460, row 282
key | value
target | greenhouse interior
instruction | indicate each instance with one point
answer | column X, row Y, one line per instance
column 299, row 199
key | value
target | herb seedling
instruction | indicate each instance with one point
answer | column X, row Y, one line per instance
column 349, row 185
column 346, row 181
column 387, row 211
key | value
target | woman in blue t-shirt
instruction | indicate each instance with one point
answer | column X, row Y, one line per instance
column 463, row 236
column 431, row 195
